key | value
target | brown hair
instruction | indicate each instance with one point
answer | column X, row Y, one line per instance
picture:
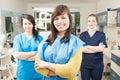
column 32, row 20
column 59, row 10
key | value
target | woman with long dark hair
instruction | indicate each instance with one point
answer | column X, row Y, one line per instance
column 25, row 48
column 59, row 57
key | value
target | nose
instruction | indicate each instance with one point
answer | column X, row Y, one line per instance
column 59, row 20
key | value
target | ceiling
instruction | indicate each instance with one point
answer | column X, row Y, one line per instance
column 61, row 1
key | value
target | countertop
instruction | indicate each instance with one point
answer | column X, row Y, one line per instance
column 108, row 52
column 116, row 52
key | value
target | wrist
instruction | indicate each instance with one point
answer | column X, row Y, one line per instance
column 47, row 64
column 26, row 59
column 34, row 52
column 87, row 46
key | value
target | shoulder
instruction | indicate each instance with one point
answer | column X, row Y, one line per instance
column 76, row 40
column 100, row 33
column 43, row 43
column 73, row 37
column 83, row 33
column 40, row 37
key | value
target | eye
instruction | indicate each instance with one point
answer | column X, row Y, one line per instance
column 63, row 17
column 93, row 21
column 24, row 23
column 89, row 21
column 55, row 18
column 30, row 23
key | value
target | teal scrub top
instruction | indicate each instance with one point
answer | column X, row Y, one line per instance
column 25, row 69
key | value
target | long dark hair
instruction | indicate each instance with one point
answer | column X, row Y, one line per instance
column 32, row 20
column 59, row 10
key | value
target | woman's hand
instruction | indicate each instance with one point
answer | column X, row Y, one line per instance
column 40, row 64
column 31, row 58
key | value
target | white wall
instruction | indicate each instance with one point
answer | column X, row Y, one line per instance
column 102, row 5
column 18, row 6
column 111, row 32
column 13, row 5
column 85, row 9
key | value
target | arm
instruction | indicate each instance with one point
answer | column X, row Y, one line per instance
column 43, row 71
column 86, row 50
column 18, row 51
column 68, row 70
column 102, row 45
column 97, row 48
column 93, row 49
column 23, row 55
column 31, row 58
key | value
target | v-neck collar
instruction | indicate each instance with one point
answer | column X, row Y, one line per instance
column 27, row 37
column 92, row 35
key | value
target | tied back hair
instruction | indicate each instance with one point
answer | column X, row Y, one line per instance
column 32, row 20
column 93, row 15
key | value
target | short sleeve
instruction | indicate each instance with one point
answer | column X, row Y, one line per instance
column 16, row 44
column 40, row 38
column 103, row 39
column 81, row 36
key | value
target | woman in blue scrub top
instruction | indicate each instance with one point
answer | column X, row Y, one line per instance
column 92, row 62
column 59, row 57
column 25, row 48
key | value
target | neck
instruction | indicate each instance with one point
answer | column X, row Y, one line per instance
column 92, row 29
column 28, row 34
column 61, row 34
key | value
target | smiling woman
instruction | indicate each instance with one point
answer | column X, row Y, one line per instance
column 25, row 48
column 59, row 56
column 43, row 18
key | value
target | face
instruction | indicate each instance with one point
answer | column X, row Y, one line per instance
column 92, row 23
column 27, row 25
column 61, row 23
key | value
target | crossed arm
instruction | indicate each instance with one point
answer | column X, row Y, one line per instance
column 93, row 49
column 30, row 56
column 68, row 70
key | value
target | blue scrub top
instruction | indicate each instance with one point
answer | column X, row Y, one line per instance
column 59, row 53
column 25, row 69
column 92, row 60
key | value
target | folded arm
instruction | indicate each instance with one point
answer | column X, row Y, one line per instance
column 97, row 48
column 24, row 55
column 68, row 70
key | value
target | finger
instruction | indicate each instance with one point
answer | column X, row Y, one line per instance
column 37, row 62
